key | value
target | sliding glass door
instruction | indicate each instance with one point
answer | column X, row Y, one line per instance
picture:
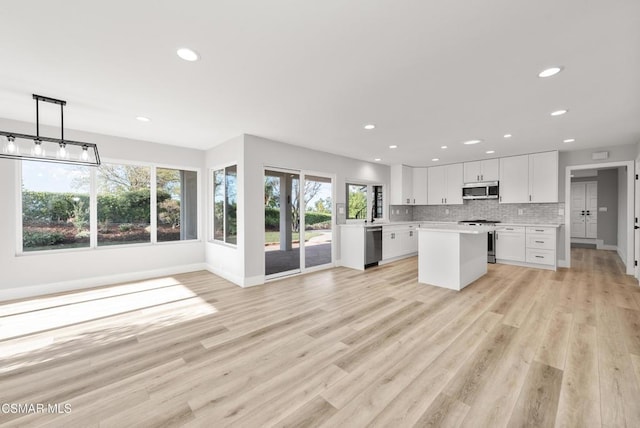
column 298, row 221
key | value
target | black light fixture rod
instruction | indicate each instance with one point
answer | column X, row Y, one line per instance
column 62, row 122
column 37, row 118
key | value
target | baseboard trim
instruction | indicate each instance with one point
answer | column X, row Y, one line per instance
column 563, row 264
column 243, row 282
column 81, row 284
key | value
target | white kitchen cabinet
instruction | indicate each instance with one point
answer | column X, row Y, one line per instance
column 484, row 170
column 444, row 184
column 401, row 185
column 391, row 244
column 529, row 178
column 399, row 241
column 514, row 179
column 420, row 177
column 511, row 244
column 541, row 246
column 543, row 177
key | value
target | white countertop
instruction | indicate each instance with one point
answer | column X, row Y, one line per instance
column 457, row 228
column 530, row 224
column 445, row 222
column 395, row 223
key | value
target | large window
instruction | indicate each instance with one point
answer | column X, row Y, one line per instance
column 177, row 204
column 124, row 204
column 57, row 205
column 225, row 204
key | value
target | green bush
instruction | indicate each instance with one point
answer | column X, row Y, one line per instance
column 125, row 207
column 125, row 227
column 272, row 218
column 41, row 239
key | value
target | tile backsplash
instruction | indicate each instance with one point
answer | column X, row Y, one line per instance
column 488, row 209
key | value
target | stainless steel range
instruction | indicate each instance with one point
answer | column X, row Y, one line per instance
column 491, row 241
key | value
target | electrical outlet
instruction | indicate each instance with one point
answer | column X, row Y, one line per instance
column 446, row 211
column 602, row 209
column 560, row 211
column 520, row 211
column 406, row 211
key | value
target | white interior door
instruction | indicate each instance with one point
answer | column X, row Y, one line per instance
column 578, row 210
column 591, row 205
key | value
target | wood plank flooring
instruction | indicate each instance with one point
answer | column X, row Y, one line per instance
column 336, row 348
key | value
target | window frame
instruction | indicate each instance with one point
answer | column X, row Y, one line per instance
column 370, row 195
column 93, row 209
column 211, row 197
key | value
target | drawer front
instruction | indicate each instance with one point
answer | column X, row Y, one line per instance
column 541, row 242
column 551, row 231
column 541, row 257
column 510, row 229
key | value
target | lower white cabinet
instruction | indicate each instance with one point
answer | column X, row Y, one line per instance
column 535, row 245
column 391, row 247
column 541, row 245
column 510, row 244
column 399, row 241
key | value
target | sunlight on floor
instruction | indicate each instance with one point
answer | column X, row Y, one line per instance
column 92, row 318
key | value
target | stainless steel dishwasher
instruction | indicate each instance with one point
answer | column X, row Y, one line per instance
column 372, row 246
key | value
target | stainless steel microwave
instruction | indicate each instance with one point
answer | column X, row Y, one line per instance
column 484, row 190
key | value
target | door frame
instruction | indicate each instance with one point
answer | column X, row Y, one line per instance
column 636, row 232
column 302, row 174
column 630, row 250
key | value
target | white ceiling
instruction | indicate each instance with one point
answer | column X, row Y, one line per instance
column 312, row 73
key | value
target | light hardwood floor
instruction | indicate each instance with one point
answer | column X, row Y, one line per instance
column 337, row 348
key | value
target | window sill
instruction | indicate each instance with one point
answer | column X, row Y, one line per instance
column 223, row 244
column 105, row 247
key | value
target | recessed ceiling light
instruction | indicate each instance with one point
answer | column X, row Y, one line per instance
column 369, row 126
column 435, row 160
column 569, row 140
column 443, row 147
column 558, row 112
column 508, row 135
column 489, row 152
column 551, row 71
column 143, row 119
column 468, row 143
column 188, row 54
column 393, row 146
column 377, row 159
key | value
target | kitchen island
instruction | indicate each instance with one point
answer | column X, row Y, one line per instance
column 452, row 256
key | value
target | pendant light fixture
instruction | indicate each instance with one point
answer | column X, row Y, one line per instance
column 36, row 147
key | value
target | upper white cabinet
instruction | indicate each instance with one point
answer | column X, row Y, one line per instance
column 529, row 178
column 401, row 185
column 408, row 185
column 484, row 170
column 514, row 179
column 444, row 184
column 419, row 186
column 543, row 177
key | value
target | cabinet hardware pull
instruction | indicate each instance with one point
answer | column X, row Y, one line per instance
column 539, row 242
column 529, row 198
column 539, row 230
column 539, row 257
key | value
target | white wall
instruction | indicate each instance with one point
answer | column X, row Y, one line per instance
column 583, row 157
column 623, row 239
column 261, row 152
column 40, row 273
column 222, row 259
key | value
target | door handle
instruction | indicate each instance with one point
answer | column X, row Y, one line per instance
column 582, row 212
